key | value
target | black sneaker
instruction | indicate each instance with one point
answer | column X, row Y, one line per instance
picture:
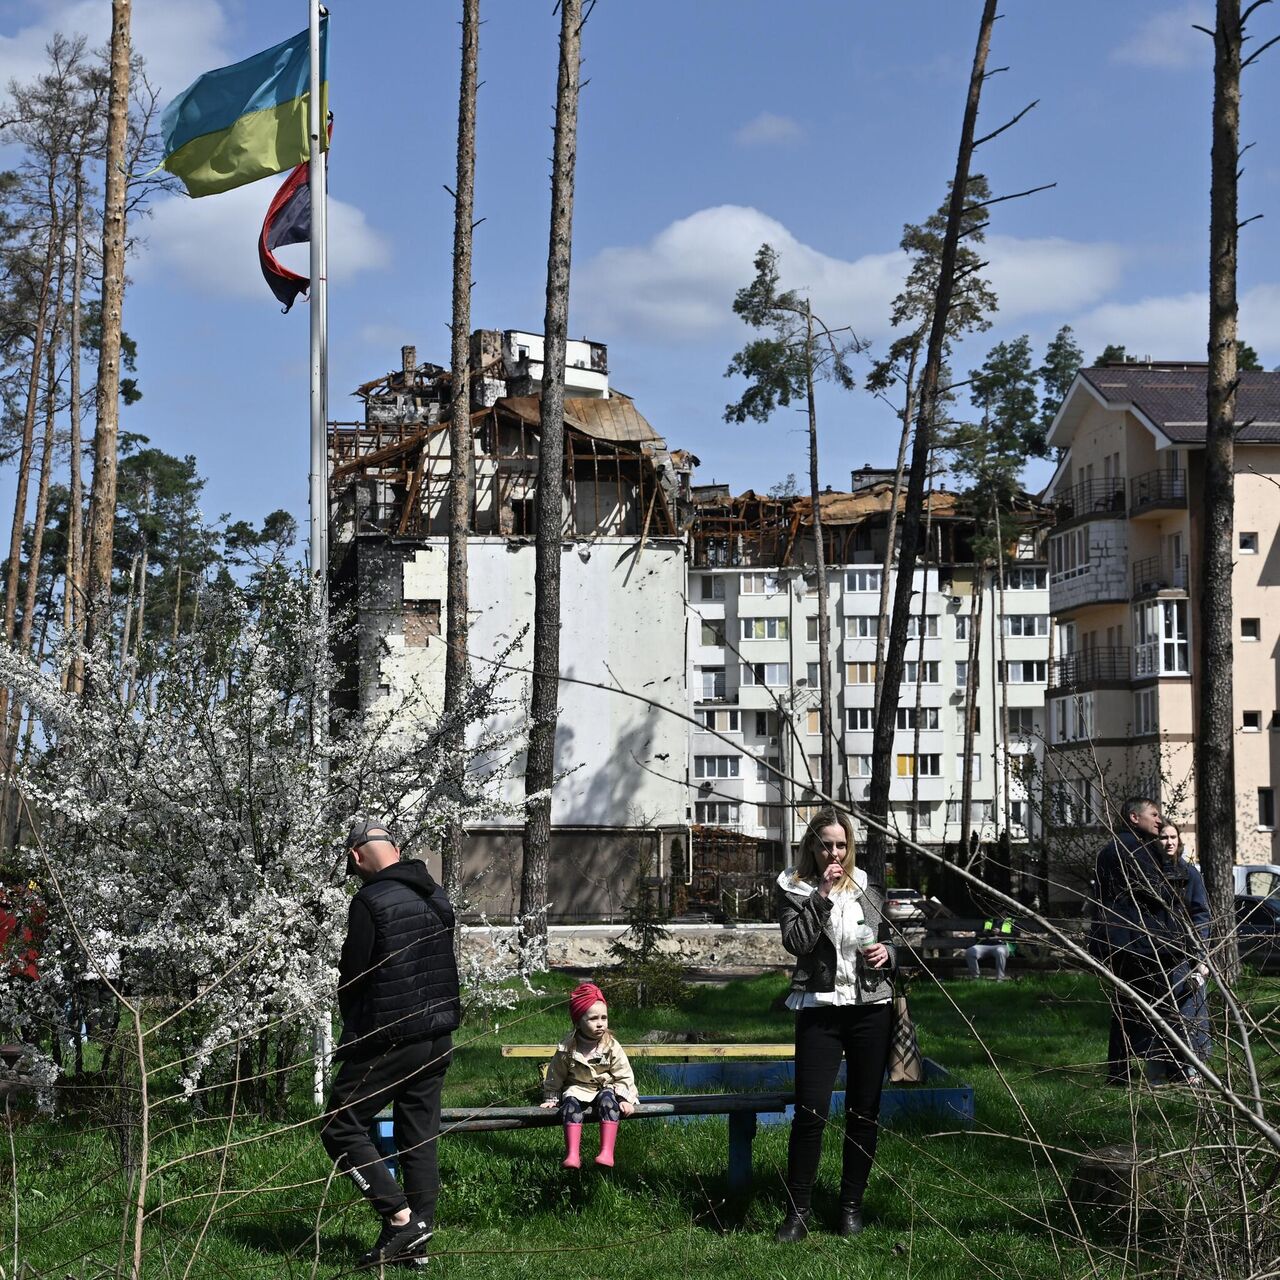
column 404, row 1244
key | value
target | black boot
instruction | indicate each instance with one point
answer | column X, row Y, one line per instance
column 851, row 1223
column 795, row 1226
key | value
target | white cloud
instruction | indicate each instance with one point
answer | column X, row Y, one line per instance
column 680, row 284
column 178, row 38
column 1168, row 40
column 212, row 243
column 768, row 129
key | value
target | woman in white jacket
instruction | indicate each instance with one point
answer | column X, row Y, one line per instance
column 842, row 994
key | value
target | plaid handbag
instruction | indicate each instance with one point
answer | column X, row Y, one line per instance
column 906, row 1066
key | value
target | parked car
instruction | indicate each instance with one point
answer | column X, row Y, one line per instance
column 1258, row 931
column 904, row 905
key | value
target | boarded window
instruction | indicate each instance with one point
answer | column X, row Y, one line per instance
column 421, row 622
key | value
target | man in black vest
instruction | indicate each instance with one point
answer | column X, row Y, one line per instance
column 398, row 993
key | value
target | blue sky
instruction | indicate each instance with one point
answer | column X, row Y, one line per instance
column 707, row 128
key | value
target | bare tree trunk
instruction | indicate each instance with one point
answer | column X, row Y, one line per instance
column 73, row 589
column 820, row 566
column 461, row 443
column 891, row 533
column 102, row 499
column 1214, row 739
column 886, row 712
column 970, row 713
column 1003, row 672
column 543, row 708
column 924, row 596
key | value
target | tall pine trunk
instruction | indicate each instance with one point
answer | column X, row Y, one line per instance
column 915, row 740
column 970, row 712
column 1214, row 739
column 887, row 710
column 102, row 499
column 461, row 442
column 820, row 566
column 73, row 577
column 543, row 706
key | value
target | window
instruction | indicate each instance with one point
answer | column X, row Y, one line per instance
column 913, row 626
column 759, row 584
column 712, row 683
column 1026, row 624
column 859, row 766
column 773, row 675
column 925, row 672
column 811, row 630
column 717, row 813
column 977, row 720
column 813, row 721
column 715, row 766
column 907, row 718
column 1022, row 722
column 719, row 721
column 770, row 816
column 764, row 773
column 863, row 579
column 1072, row 718
column 1266, row 808
column 977, row 766
column 858, row 719
column 712, row 587
column 814, row 766
column 962, row 674
column 1146, row 717
column 1023, row 577
column 860, row 672
column 1025, row 671
column 1250, row 629
column 421, row 622
column 766, row 724
column 928, row 766
column 1248, row 544
column 861, row 628
column 962, row 626
column 713, row 632
column 811, row 674
column 1069, row 554
column 1161, row 647
column 764, row 628
column 980, row 811
column 1018, row 813
column 1251, row 721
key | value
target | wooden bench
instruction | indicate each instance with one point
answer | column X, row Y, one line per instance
column 741, row 1109
column 941, row 944
column 667, row 1049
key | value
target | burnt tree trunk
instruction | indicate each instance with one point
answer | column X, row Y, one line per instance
column 543, row 704
column 971, row 713
column 1214, row 750
column 102, row 498
column 820, row 567
column 887, row 710
column 461, row 446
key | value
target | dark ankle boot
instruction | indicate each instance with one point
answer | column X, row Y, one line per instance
column 851, row 1223
column 795, row 1226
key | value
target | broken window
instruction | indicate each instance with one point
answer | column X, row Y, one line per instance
column 421, row 622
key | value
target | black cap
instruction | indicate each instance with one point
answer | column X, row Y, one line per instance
column 365, row 829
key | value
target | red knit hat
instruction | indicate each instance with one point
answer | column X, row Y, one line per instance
column 582, row 997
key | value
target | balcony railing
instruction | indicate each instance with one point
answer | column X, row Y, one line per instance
column 1091, row 498
column 1157, row 489
column 1102, row 664
column 1159, row 573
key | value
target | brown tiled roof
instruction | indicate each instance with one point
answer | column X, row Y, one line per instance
column 1172, row 398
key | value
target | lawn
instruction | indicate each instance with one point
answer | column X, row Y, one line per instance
column 941, row 1204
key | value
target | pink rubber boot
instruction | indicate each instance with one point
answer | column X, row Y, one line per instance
column 608, row 1136
column 573, row 1146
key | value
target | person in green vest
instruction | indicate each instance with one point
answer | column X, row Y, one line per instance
column 994, row 943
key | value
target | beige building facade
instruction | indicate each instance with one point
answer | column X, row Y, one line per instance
column 1122, row 593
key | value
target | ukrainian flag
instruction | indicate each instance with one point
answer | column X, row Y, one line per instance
column 246, row 121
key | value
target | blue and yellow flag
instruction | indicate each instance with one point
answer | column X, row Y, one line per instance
column 246, row 121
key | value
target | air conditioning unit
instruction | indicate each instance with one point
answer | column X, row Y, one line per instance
column 773, row 742
column 954, row 600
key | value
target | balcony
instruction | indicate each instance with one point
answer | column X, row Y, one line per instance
column 1090, row 500
column 1157, row 491
column 1090, row 669
column 1154, row 575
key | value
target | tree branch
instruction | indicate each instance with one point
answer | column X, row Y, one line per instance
column 1017, row 195
column 995, row 133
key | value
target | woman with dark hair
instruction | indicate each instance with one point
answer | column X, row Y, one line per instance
column 1193, row 1003
column 842, row 995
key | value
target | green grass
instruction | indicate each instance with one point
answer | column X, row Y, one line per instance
column 941, row 1203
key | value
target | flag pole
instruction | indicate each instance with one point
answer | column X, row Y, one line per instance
column 319, row 496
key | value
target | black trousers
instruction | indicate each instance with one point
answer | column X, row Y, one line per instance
column 409, row 1078
column 858, row 1034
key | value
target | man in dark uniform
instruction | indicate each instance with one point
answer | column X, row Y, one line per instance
column 398, row 993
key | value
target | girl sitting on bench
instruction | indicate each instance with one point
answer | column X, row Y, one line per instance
column 590, row 1066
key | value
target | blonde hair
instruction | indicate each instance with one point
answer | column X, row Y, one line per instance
column 807, row 867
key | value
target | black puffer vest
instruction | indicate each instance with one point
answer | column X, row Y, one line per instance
column 412, row 988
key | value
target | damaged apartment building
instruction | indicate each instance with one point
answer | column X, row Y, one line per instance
column 620, row 802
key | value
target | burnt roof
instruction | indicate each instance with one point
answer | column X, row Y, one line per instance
column 1172, row 399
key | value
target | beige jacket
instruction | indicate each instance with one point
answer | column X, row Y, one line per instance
column 572, row 1074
